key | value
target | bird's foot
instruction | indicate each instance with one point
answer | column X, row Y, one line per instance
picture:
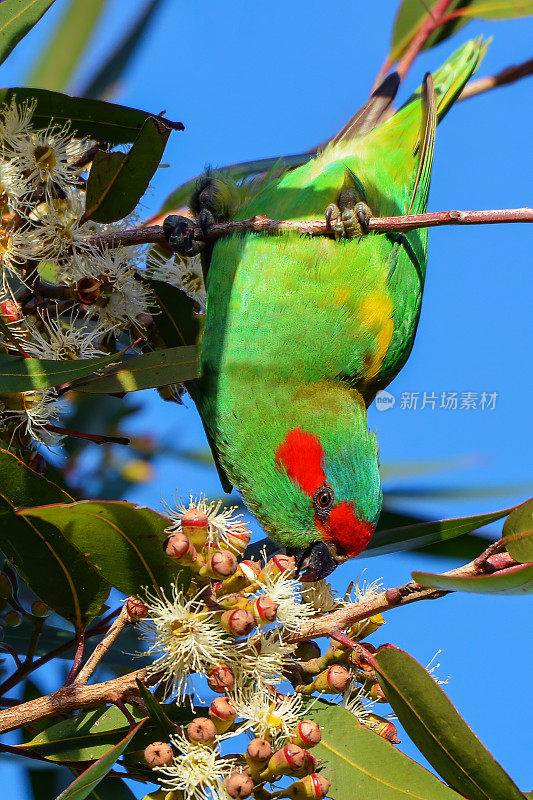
column 348, row 220
column 179, row 232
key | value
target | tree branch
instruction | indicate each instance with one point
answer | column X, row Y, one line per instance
column 508, row 75
column 392, row 598
column 102, row 647
column 72, row 698
column 154, row 234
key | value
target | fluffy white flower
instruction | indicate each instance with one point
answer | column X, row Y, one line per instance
column 32, row 411
column 357, row 703
column 321, row 596
column 185, row 637
column 270, row 715
column 15, row 125
column 220, row 519
column 183, row 273
column 63, row 339
column 198, row 771
column 262, row 662
column 287, row 592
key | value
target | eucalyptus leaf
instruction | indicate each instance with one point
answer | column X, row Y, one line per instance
column 498, row 9
column 63, row 51
column 425, row 533
column 439, row 732
column 17, row 17
column 105, row 122
column 117, row 181
column 411, row 16
column 89, row 780
column 178, row 324
column 173, row 365
column 513, row 580
column 123, row 542
column 19, row 374
column 360, row 764
column 518, row 532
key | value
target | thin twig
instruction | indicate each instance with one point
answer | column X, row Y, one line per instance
column 102, row 647
column 154, row 234
column 37, row 628
column 72, row 698
column 507, row 75
column 78, row 655
column 433, row 21
column 92, row 437
column 392, row 598
column 12, row 653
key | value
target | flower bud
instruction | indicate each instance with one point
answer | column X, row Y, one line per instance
column 233, row 600
column 135, row 608
column 239, row 785
column 309, row 765
column 201, row 730
column 221, row 679
column 287, row 761
column 237, row 537
column 195, row 525
column 158, row 754
column 259, row 751
column 40, row 609
column 238, row 622
column 220, row 565
column 374, row 692
column 88, row 290
column 10, row 311
column 312, row 787
column 334, row 680
column 277, row 565
column 263, row 609
column 307, row 650
column 306, row 734
column 13, row 619
column 382, row 727
column 180, row 548
column 366, row 627
column 223, row 713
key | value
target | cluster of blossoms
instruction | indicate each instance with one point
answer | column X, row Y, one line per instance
column 64, row 295
column 234, row 628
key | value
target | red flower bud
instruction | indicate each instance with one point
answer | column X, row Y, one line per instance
column 239, row 785
column 280, row 564
column 88, row 290
column 306, row 734
column 195, row 525
column 135, row 608
column 221, row 679
column 287, row 761
column 264, row 609
column 238, row 622
column 259, row 750
column 202, row 730
column 312, row 787
column 220, row 565
column 223, row 713
column 158, row 754
column 237, row 537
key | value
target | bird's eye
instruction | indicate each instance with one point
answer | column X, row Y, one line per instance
column 323, row 499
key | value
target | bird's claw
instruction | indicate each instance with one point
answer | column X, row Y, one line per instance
column 348, row 220
column 179, row 233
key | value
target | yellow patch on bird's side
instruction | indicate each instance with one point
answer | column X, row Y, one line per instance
column 375, row 314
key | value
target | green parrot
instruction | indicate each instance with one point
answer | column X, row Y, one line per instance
column 301, row 333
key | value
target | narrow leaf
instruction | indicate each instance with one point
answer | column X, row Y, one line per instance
column 410, row 17
column 518, row 532
column 498, row 9
column 439, row 732
column 117, row 181
column 156, row 711
column 62, row 53
column 17, row 17
column 88, row 780
column 124, row 542
column 174, row 365
column 114, row 66
column 105, row 122
column 514, row 580
column 360, row 764
column 19, row 374
column 177, row 324
column 410, row 536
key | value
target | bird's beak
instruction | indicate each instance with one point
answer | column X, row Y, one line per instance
column 316, row 562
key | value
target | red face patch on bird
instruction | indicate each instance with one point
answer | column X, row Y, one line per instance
column 301, row 456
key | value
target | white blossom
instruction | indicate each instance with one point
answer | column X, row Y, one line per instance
column 268, row 714
column 198, row 771
column 184, row 273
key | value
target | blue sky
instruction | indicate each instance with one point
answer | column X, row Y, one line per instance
column 256, row 80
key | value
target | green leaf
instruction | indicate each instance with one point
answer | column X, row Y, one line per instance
column 439, row 732
column 118, row 61
column 105, row 122
column 177, row 324
column 179, row 197
column 84, row 737
column 88, row 780
column 63, row 51
column 112, row 788
column 410, row 17
column 360, row 764
column 123, row 541
column 173, row 365
column 410, row 536
column 518, row 532
column 117, row 181
column 156, row 710
column 19, row 374
column 498, row 9
column 54, row 569
column 17, row 17
column 513, row 580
